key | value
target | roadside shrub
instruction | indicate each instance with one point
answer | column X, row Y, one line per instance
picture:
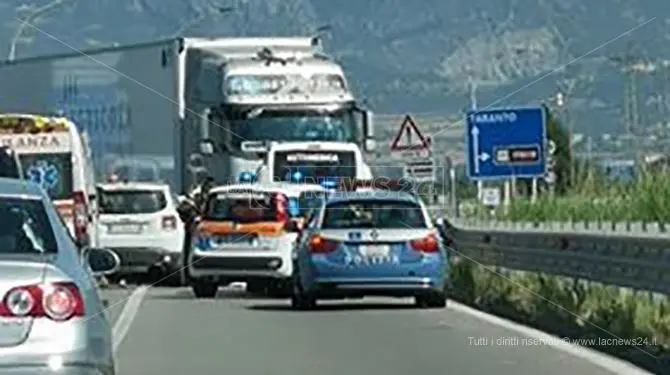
column 572, row 308
column 648, row 199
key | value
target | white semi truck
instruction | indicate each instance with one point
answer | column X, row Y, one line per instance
column 195, row 106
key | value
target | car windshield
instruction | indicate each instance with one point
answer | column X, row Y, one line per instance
column 373, row 214
column 241, row 207
column 25, row 227
column 53, row 172
column 132, row 201
column 296, row 126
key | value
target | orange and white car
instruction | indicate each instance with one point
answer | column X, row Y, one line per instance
column 247, row 234
column 55, row 155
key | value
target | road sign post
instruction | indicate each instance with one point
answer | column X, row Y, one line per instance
column 421, row 171
column 415, row 152
column 506, row 143
column 410, row 141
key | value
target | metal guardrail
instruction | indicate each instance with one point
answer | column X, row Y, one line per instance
column 631, row 255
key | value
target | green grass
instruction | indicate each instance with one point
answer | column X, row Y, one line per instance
column 576, row 309
column 648, row 199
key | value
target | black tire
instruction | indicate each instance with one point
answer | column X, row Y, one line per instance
column 114, row 279
column 204, row 289
column 302, row 302
column 257, row 288
column 176, row 280
column 433, row 300
column 280, row 288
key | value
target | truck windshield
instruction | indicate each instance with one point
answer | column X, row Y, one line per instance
column 294, row 125
column 51, row 171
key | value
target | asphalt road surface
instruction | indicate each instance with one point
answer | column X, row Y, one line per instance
column 170, row 332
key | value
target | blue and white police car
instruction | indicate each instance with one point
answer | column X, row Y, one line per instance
column 370, row 243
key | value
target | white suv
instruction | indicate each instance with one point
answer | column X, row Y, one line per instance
column 140, row 222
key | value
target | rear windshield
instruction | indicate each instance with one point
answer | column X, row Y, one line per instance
column 373, row 214
column 25, row 227
column 9, row 166
column 241, row 207
column 132, row 201
column 53, row 172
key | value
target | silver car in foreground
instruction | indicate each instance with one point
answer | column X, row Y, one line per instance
column 52, row 319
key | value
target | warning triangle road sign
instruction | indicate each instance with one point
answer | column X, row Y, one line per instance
column 409, row 137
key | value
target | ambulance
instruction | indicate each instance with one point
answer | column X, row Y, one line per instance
column 56, row 156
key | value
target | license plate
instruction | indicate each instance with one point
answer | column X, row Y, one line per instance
column 125, row 228
column 375, row 250
column 236, row 239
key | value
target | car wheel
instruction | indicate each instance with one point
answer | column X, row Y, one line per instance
column 204, row 289
column 256, row 287
column 433, row 300
column 282, row 288
column 176, row 280
column 301, row 301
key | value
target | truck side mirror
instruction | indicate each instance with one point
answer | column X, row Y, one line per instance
column 206, row 147
column 368, row 123
column 370, row 145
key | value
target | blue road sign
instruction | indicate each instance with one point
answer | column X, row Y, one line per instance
column 506, row 142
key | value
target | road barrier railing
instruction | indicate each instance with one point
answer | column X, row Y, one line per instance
column 632, row 255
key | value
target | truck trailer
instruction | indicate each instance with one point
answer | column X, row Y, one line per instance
column 186, row 108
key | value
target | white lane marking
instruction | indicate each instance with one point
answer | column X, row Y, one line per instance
column 127, row 316
column 615, row 365
column 238, row 285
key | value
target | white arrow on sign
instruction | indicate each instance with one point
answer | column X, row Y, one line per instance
column 484, row 157
column 552, row 147
column 475, row 147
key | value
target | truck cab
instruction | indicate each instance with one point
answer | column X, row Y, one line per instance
column 323, row 163
column 256, row 90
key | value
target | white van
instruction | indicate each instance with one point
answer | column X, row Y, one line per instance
column 55, row 155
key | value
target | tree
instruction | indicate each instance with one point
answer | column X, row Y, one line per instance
column 562, row 159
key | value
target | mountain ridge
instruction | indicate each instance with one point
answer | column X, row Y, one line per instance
column 407, row 57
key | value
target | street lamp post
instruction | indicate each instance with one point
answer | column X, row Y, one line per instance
column 27, row 22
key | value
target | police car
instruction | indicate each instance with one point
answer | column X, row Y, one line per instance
column 247, row 234
column 371, row 242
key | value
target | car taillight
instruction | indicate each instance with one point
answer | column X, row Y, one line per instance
column 428, row 244
column 169, row 222
column 318, row 244
column 80, row 215
column 281, row 208
column 56, row 301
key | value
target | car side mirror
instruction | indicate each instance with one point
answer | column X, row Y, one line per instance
column 101, row 261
